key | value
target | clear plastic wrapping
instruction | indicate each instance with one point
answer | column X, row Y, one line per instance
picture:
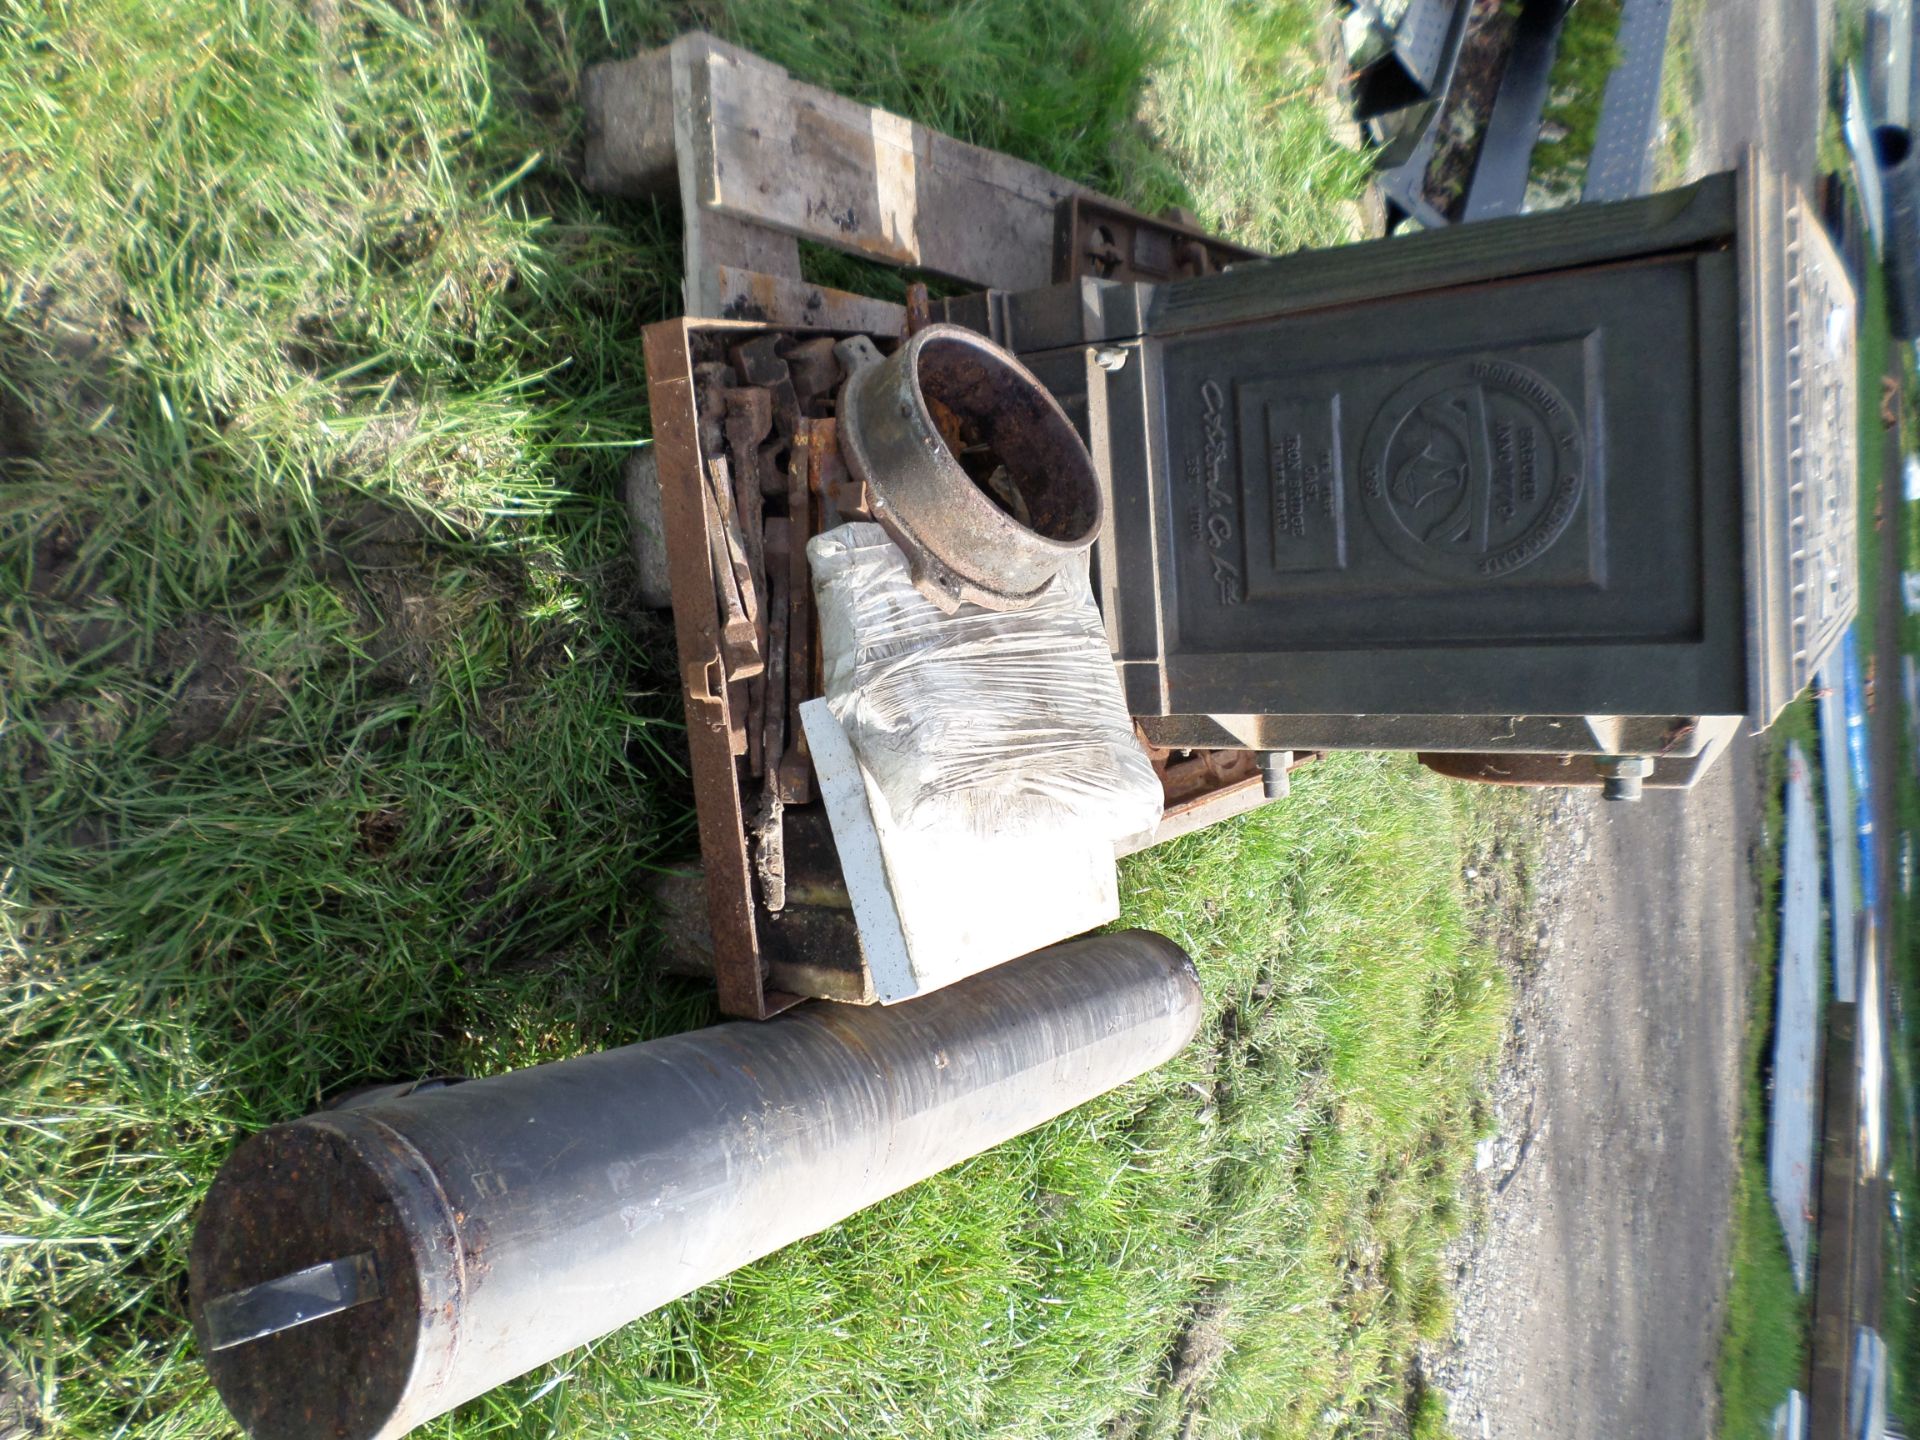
column 995, row 723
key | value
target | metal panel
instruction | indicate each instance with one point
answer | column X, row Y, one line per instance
column 1700, row 214
column 1502, row 470
column 1402, row 172
column 1798, row 439
column 1447, row 471
column 1513, row 127
column 1621, row 165
column 1419, row 63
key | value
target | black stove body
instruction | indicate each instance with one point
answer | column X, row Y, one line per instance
column 1578, row 484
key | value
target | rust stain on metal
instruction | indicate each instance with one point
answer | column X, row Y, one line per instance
column 723, row 441
column 1521, row 769
column 816, row 375
column 771, row 720
column 1191, row 781
column 685, row 515
column 795, row 769
column 1099, row 238
column 739, row 602
column 919, row 309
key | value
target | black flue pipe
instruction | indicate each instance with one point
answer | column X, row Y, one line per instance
column 357, row 1272
column 1900, row 237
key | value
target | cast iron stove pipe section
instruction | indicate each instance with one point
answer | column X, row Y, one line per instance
column 973, row 468
column 1900, row 192
column 357, row 1272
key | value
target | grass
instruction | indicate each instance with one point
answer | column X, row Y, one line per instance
column 1763, row 1350
column 1673, row 153
column 1589, row 50
column 339, row 752
column 1900, row 1321
column 1430, row 1419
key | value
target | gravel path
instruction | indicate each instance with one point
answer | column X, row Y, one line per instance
column 1591, row 1293
column 1761, row 68
column 1589, row 1300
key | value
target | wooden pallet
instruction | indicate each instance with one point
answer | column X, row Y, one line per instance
column 761, row 161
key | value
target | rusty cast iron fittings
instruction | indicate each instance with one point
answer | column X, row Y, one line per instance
column 974, row 469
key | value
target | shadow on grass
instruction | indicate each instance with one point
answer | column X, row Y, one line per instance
column 341, row 752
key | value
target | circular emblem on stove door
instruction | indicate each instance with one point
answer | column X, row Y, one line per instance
column 1473, row 469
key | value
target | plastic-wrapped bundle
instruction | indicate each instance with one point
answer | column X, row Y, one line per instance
column 993, row 722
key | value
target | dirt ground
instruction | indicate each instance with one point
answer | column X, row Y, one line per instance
column 1591, row 1291
column 1761, row 68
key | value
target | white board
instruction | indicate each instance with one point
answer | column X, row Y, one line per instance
column 1790, row 1418
column 935, row 907
column 1790, row 1136
column 1873, row 1067
column 1842, row 843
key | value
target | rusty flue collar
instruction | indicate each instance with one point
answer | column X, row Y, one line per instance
column 972, row 468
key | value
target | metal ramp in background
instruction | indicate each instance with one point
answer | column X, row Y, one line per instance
column 1622, row 162
column 1513, row 126
column 1621, row 166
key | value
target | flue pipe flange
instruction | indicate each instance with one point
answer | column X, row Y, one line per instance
column 972, row 468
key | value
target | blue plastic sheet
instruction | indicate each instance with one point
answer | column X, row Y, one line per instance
column 1862, row 775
